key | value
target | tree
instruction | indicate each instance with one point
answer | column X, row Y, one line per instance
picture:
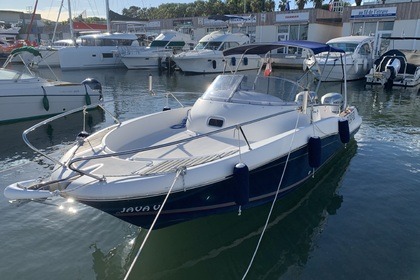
column 318, row 4
column 301, row 4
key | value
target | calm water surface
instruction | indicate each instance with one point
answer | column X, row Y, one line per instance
column 357, row 219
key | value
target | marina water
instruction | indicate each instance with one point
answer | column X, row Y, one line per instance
column 357, row 219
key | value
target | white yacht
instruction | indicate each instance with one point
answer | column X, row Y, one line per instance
column 159, row 50
column 207, row 56
column 96, row 51
column 358, row 59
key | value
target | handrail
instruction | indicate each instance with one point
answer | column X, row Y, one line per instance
column 32, row 128
column 139, row 150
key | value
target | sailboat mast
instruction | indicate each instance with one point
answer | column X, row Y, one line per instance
column 32, row 20
column 70, row 21
column 56, row 22
column 108, row 23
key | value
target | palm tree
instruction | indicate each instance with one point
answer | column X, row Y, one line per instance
column 301, row 4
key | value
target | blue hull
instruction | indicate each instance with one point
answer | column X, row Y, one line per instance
column 220, row 197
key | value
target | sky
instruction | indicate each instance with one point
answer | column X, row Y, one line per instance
column 94, row 8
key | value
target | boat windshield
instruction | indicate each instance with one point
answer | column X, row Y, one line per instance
column 347, row 47
column 252, row 90
column 209, row 45
column 6, row 74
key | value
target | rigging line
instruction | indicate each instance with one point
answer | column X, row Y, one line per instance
column 274, row 201
column 180, row 171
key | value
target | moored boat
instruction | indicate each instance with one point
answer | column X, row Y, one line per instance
column 25, row 96
column 207, row 56
column 358, row 58
column 396, row 67
column 248, row 140
column 158, row 52
column 95, row 51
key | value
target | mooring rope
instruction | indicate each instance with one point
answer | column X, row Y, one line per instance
column 179, row 172
column 274, row 201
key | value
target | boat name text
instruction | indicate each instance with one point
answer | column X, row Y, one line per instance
column 145, row 208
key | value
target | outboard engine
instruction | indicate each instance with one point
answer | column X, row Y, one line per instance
column 393, row 66
column 93, row 84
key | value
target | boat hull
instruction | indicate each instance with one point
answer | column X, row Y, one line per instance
column 85, row 57
column 219, row 197
column 356, row 71
column 147, row 60
column 215, row 64
column 41, row 100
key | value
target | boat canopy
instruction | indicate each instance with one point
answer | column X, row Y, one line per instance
column 263, row 48
column 32, row 50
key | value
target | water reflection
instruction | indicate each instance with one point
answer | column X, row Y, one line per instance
column 48, row 137
column 195, row 249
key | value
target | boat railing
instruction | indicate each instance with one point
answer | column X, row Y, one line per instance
column 238, row 127
column 51, row 119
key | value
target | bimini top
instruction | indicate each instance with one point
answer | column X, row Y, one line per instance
column 263, row 48
column 29, row 49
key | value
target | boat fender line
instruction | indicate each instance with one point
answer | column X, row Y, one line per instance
column 213, row 62
column 245, row 60
column 314, row 152
column 180, row 172
column 87, row 97
column 344, row 131
column 180, row 125
column 233, row 61
column 241, row 176
column 45, row 101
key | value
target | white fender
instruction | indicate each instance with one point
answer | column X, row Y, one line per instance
column 365, row 65
column 356, row 66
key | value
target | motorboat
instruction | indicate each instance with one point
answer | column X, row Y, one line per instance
column 396, row 67
column 207, row 56
column 158, row 52
column 25, row 96
column 248, row 140
column 358, row 59
column 96, row 51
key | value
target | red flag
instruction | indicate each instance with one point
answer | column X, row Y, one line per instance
column 268, row 69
